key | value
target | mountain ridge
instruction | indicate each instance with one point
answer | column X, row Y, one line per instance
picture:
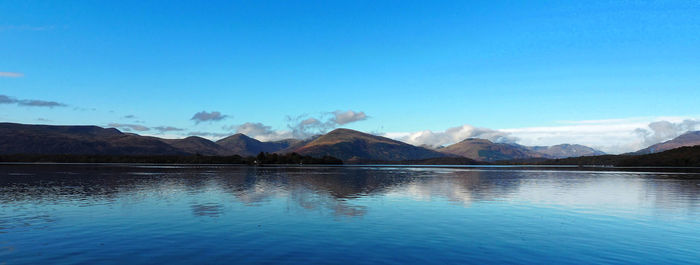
column 351, row 145
column 691, row 138
column 488, row 151
column 50, row 139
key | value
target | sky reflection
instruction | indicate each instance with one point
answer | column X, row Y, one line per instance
column 270, row 213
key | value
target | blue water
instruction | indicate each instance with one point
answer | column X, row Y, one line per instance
column 130, row 214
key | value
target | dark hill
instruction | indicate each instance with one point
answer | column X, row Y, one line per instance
column 78, row 140
column 688, row 156
column 485, row 150
column 243, row 145
column 198, row 145
column 354, row 146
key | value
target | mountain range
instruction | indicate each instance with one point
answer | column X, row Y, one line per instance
column 48, row 139
column 348, row 145
column 485, row 150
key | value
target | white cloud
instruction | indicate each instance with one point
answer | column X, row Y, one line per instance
column 663, row 130
column 452, row 135
column 299, row 127
column 620, row 136
column 611, row 136
column 129, row 127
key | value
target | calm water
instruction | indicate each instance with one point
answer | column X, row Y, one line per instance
column 99, row 214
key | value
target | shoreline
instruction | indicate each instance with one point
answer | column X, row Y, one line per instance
column 552, row 168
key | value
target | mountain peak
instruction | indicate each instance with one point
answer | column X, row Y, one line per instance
column 236, row 136
column 485, row 150
column 344, row 131
column 477, row 140
column 195, row 138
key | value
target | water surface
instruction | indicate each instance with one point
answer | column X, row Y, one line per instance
column 135, row 214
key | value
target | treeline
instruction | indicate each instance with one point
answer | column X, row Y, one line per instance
column 260, row 159
column 294, row 158
column 679, row 157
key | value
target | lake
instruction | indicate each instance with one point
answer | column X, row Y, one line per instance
column 139, row 214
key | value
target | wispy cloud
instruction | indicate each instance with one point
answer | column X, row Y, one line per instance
column 208, row 134
column 164, row 129
column 129, row 127
column 142, row 128
column 204, row 116
column 304, row 126
column 7, row 100
column 452, row 135
column 30, row 102
column 40, row 103
column 129, row 116
column 261, row 131
column 84, row 109
column 299, row 127
column 11, row 74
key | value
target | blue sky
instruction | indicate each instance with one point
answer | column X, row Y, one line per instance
column 407, row 66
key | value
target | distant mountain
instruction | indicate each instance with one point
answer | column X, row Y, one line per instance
column 565, row 150
column 199, row 145
column 485, row 150
column 350, row 145
column 288, row 145
column 47, row 139
column 243, row 145
column 686, row 139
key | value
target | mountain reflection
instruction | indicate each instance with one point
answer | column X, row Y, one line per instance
column 210, row 209
column 338, row 190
